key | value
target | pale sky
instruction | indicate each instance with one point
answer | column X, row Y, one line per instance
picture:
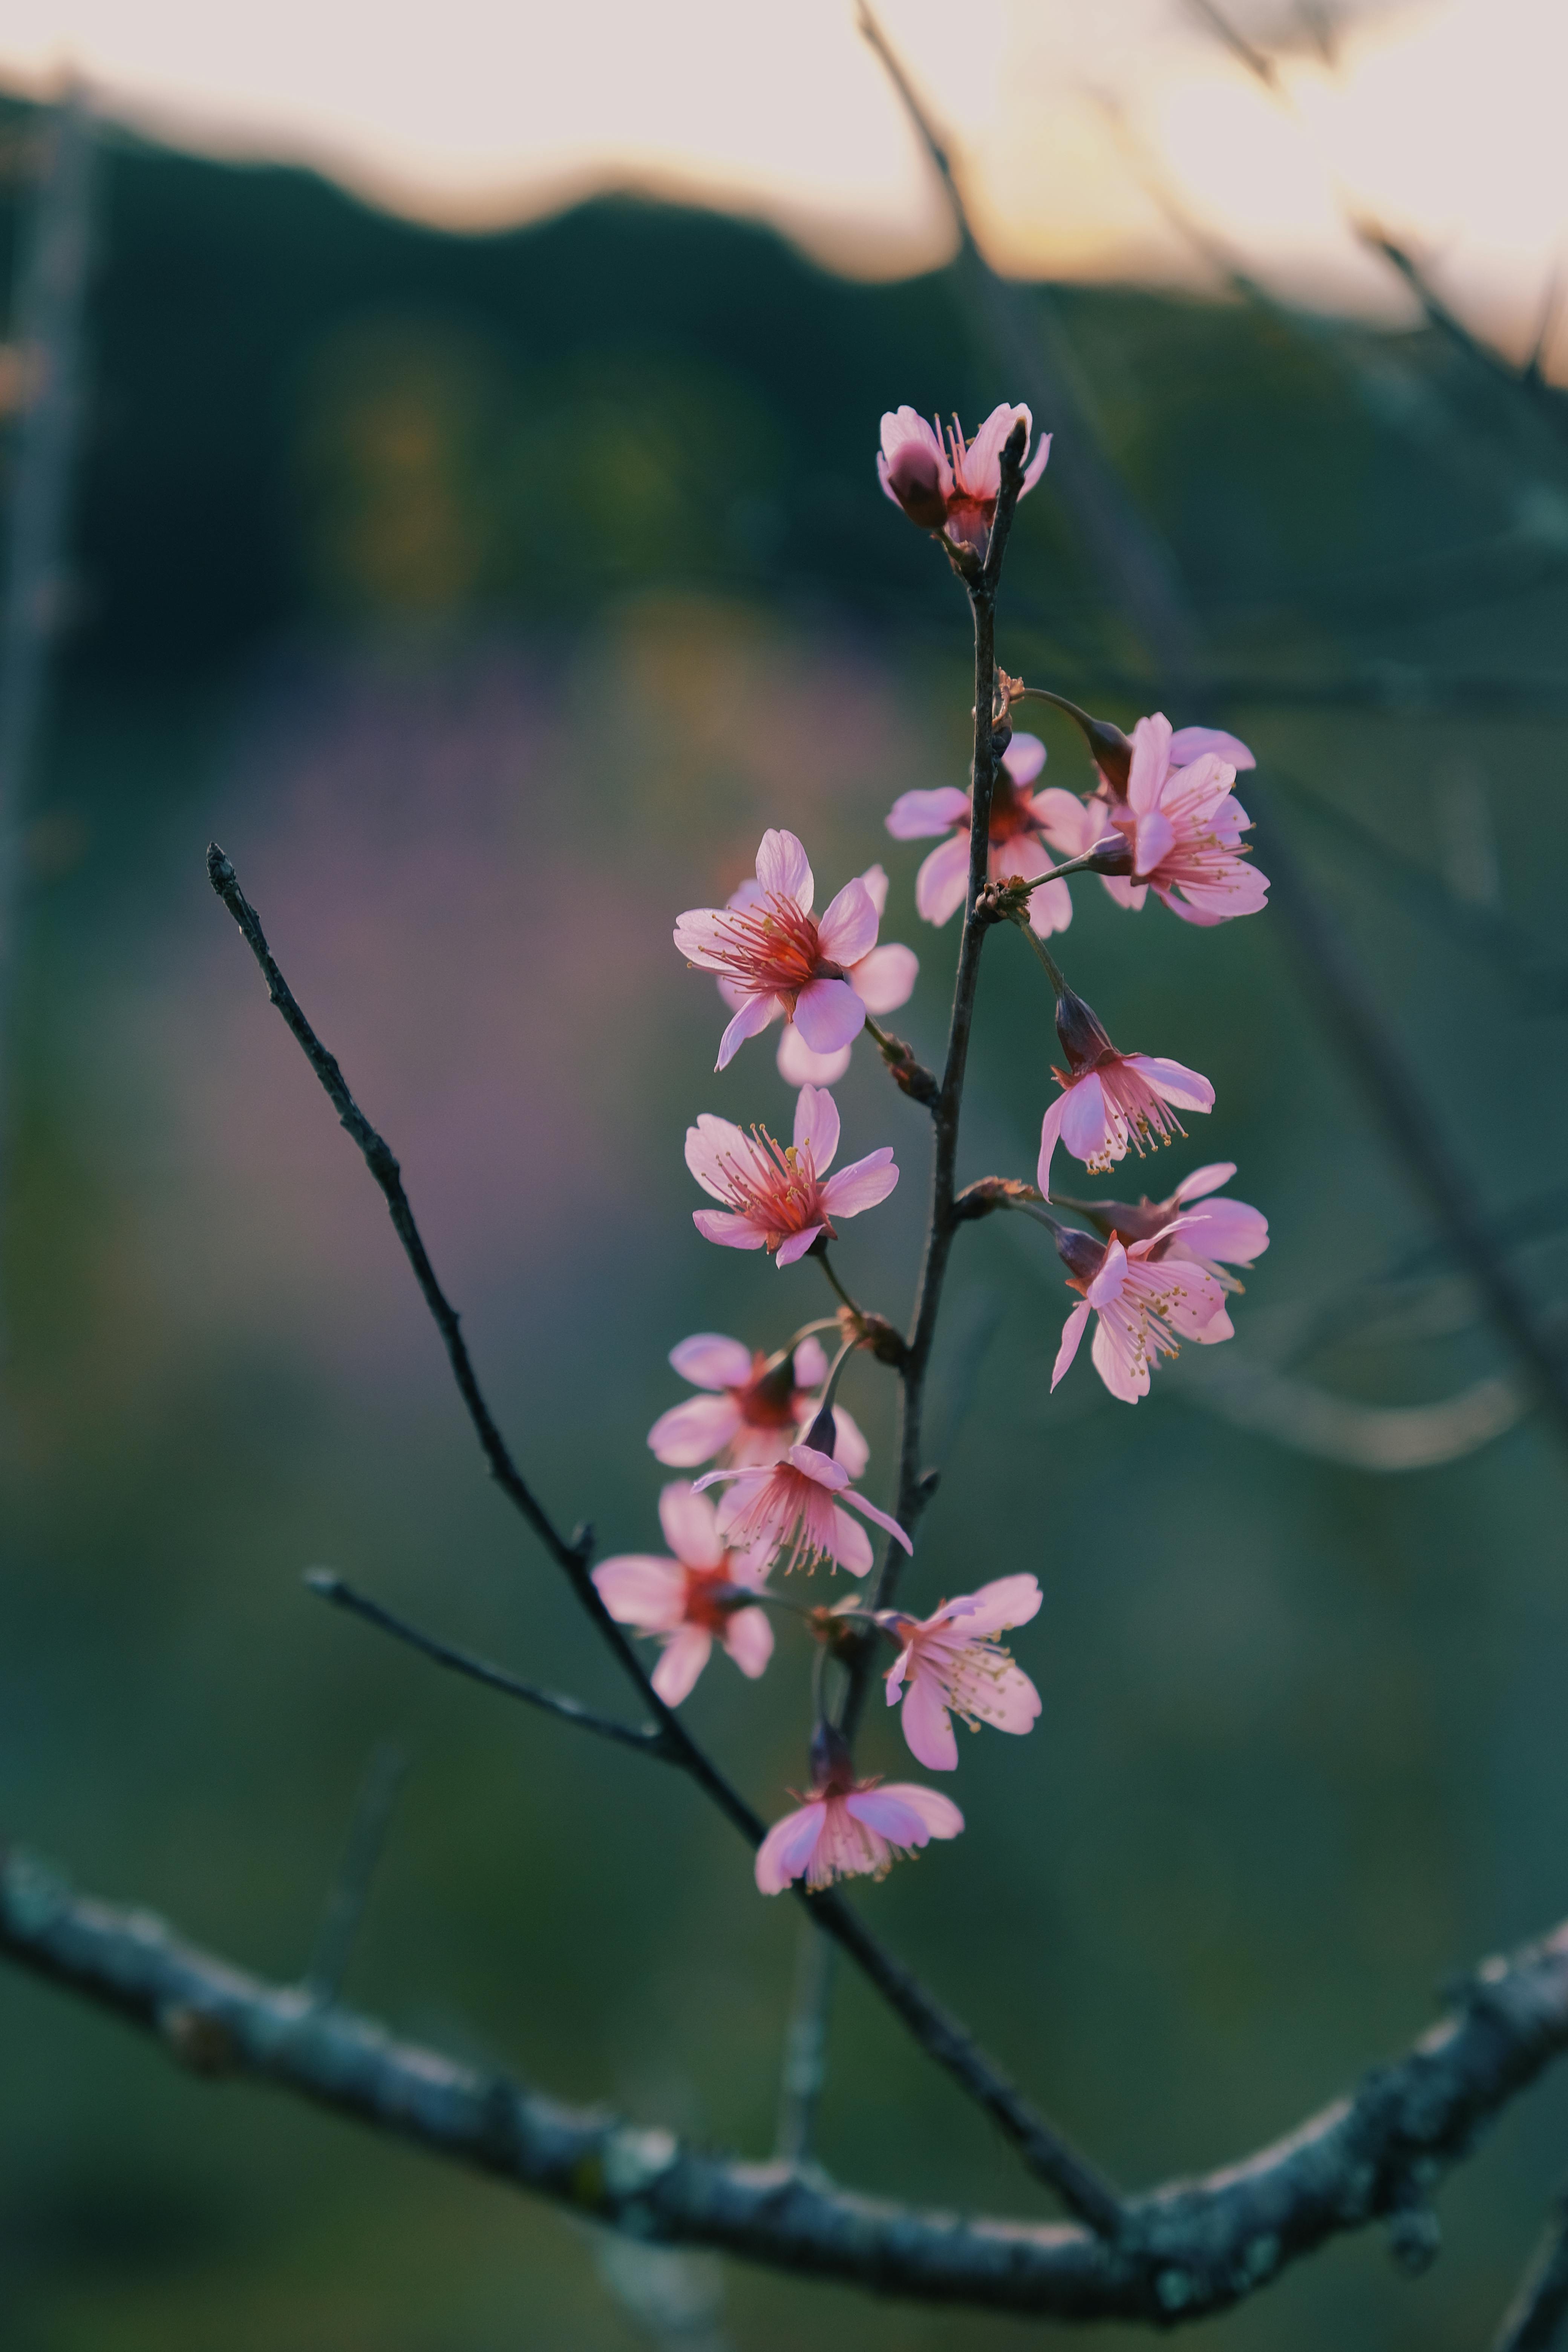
column 1079, row 123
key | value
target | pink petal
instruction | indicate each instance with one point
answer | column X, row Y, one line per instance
column 713, row 1147
column 1125, row 891
column 754, row 1016
column 1184, row 1087
column 1125, row 1375
column 860, row 1185
column 684, row 1656
column 749, row 1639
column 1156, row 839
column 1150, row 762
column 729, row 1229
column 848, row 928
column 869, row 1511
column 694, row 1431
column 794, row 1248
column 928, row 1727
column 799, row 1066
column 1051, row 1128
column 689, row 1526
column 1024, row 758
column 889, row 1815
column 1072, row 1332
column 1025, row 856
column 819, row 1466
column 787, row 1849
column 1068, row 824
column 1050, row 908
column 1085, row 1128
column 851, row 1546
column 1204, row 1180
column 983, row 460
column 828, row 1014
column 940, row 1814
column 850, row 1450
column 916, row 816
column 1013, row 1704
column 701, row 936
column 1035, row 466
column 875, row 878
column 942, row 883
column 886, row 978
column 817, row 1126
column 810, row 1363
column 639, row 1589
column 902, row 425
column 1230, row 1230
column 1111, row 1279
column 1190, row 743
column 1006, row 1601
column 784, row 869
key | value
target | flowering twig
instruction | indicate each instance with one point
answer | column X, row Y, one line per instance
column 1185, row 2252
column 1040, row 2145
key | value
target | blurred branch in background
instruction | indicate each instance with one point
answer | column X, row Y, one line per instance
column 345, row 1909
column 1533, row 2321
column 1144, row 580
column 44, row 357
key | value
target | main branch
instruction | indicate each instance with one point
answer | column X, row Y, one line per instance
column 1185, row 2251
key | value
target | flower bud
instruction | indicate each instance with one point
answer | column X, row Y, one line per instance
column 1112, row 854
column 823, row 1434
column 1083, row 1038
column 832, row 1765
column 914, row 477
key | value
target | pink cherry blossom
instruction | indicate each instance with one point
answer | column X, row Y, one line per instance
column 1142, row 1307
column 756, row 1408
column 1214, row 1233
column 777, row 957
column 882, row 980
column 951, row 1664
column 1017, row 843
column 1110, row 1099
column 953, row 487
column 797, row 1507
column 1180, row 819
column 777, row 1196
column 849, row 1827
column 693, row 1598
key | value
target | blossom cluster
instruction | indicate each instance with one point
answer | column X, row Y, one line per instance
column 781, row 1492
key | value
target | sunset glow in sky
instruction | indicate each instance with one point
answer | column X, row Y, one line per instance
column 1089, row 129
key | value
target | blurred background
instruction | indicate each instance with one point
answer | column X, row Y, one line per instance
column 438, row 464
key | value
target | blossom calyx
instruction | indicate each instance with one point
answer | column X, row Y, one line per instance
column 1083, row 1035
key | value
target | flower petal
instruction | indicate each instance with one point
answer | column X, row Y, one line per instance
column 683, row 1658
column 850, row 1450
column 940, row 1814
column 689, row 1526
column 928, row 1727
column 828, row 1014
column 850, row 1545
column 784, row 870
column 754, row 1016
column 730, row 1229
column 1050, row 1128
column 1230, row 1230
column 787, row 1849
column 1006, row 1601
column 810, row 1363
column 1190, row 743
column 694, row 1431
column 1050, row 908
column 861, row 1185
column 639, row 1589
column 1072, row 1332
column 1187, row 1089
column 1123, row 1369
column 847, row 929
column 795, row 1248
column 942, row 883
column 1024, row 758
column 749, row 1639
column 1085, row 1128
column 713, row 1147
column 916, row 816
column 799, row 1066
column 708, row 1359
column 817, row 1126
column 1150, row 762
column 869, row 1511
column 886, row 978
column 1204, row 1180
column 1070, row 824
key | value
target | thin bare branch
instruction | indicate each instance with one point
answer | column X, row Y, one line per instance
column 1533, row 2320
column 351, row 1890
column 1185, row 2252
column 804, row 2069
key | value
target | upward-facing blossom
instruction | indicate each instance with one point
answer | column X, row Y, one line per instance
column 755, row 1409
column 952, row 489
column 1180, row 819
column 778, row 1197
column 1109, row 1100
column 794, row 1512
column 952, row 1663
column 691, row 1600
column 774, row 956
column 849, row 1827
column 1143, row 1307
column 882, row 980
column 1017, row 839
column 1191, row 1223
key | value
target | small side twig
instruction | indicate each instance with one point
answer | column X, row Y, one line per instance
column 805, row 2070
column 1533, row 2320
column 328, row 1586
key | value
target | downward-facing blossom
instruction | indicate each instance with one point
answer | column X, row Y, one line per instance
column 691, row 1600
column 952, row 486
column 849, row 1827
column 1193, row 1223
column 794, row 1512
column 882, row 980
column 952, row 1663
column 754, row 1409
column 1017, row 839
column 774, row 956
column 1181, row 822
column 776, row 1196
column 1144, row 1306
column 1109, row 1100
